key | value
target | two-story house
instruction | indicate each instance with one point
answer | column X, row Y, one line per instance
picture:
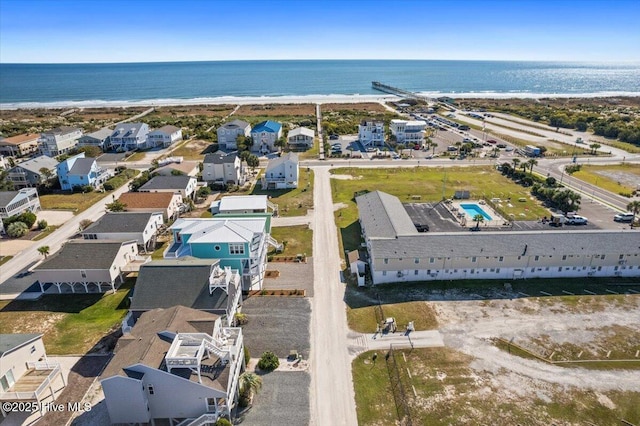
column 371, row 133
column 16, row 202
column 239, row 242
column 20, row 145
column 129, row 136
column 183, row 185
column 228, row 133
column 164, row 136
column 408, row 131
column 168, row 203
column 59, row 140
column 281, row 172
column 177, row 364
column 33, row 172
column 78, row 171
column 265, row 135
column 300, row 138
column 141, row 227
column 223, row 169
column 100, row 138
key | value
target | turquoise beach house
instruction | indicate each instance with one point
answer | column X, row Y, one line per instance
column 239, row 242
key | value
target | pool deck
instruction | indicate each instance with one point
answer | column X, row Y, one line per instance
column 465, row 219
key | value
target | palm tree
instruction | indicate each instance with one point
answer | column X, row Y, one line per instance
column 248, row 383
column 479, row 219
column 531, row 162
column 633, row 207
column 44, row 250
column 516, row 161
column 459, row 145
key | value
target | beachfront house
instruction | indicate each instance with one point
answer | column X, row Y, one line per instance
column 239, row 242
column 228, row 133
column 408, row 131
column 195, row 283
column 265, row 135
column 177, row 365
column 89, row 266
column 164, row 136
column 13, row 203
column 167, row 203
column 79, row 171
column 100, row 138
column 33, row 172
column 183, row 185
column 223, row 169
column 371, row 133
column 300, row 139
column 20, row 145
column 281, row 172
column 59, row 140
column 26, row 375
column 397, row 252
column 129, row 136
column 141, row 227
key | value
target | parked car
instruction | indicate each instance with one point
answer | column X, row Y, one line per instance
column 492, row 141
column 623, row 217
column 333, row 137
column 577, row 220
column 501, row 145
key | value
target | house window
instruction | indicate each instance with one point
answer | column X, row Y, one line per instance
column 84, row 274
column 236, row 248
column 32, row 349
column 500, row 259
column 150, row 389
column 621, row 257
column 431, row 260
column 537, row 258
column 386, row 261
column 384, row 273
column 416, row 260
column 564, row 257
column 216, row 248
column 473, row 259
column 415, row 272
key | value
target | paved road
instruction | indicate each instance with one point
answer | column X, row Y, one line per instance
column 332, row 395
column 54, row 241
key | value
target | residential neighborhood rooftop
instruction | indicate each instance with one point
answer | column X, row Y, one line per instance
column 220, row 157
column 383, row 216
column 101, row 134
column 230, row 230
column 168, row 129
column 289, row 156
column 119, row 222
column 167, row 182
column 244, row 202
column 83, row 254
column 159, row 200
column 82, row 166
column 267, row 126
column 62, row 130
column 301, row 131
column 236, row 124
column 9, row 342
column 35, row 164
column 18, row 139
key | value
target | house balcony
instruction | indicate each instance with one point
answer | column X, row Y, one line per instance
column 177, row 249
column 31, row 386
column 135, row 263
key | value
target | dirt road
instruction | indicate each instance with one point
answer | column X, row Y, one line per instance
column 332, row 395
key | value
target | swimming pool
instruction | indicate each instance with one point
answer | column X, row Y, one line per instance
column 474, row 209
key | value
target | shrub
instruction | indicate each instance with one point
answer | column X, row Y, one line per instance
column 42, row 224
column 241, row 319
column 84, row 224
column 223, row 422
column 17, row 229
column 268, row 361
column 203, row 192
column 247, row 356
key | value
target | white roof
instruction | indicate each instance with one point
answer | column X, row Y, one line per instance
column 410, row 122
column 236, row 230
column 302, row 131
column 243, row 202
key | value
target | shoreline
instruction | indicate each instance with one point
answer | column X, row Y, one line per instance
column 301, row 99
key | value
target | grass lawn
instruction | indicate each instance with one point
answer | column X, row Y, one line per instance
column 615, row 178
column 5, row 259
column 292, row 202
column 193, row 149
column 422, row 314
column 299, row 240
column 450, row 392
column 481, row 181
column 77, row 202
column 136, row 156
column 312, row 153
column 45, row 233
column 71, row 324
column 626, row 146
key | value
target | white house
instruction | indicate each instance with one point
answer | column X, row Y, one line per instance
column 398, row 252
column 183, row 185
column 16, row 202
column 59, row 140
column 371, row 133
column 89, row 266
column 300, row 138
column 164, row 136
column 150, row 202
column 407, row 131
column 179, row 364
column 265, row 135
column 141, row 227
column 26, row 375
column 129, row 136
column 281, row 172
column 243, row 204
column 19, row 145
column 228, row 133
column 223, row 169
column 99, row 138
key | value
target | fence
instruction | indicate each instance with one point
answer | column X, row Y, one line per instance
column 399, row 395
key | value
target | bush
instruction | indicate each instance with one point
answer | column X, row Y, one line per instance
column 241, row 319
column 268, row 361
column 223, row 422
column 247, row 356
column 28, row 219
column 84, row 224
column 42, row 224
column 204, row 192
column 17, row 229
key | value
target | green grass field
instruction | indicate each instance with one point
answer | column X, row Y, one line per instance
column 71, row 323
column 363, row 319
column 299, row 240
column 77, row 202
column 292, row 202
column 604, row 176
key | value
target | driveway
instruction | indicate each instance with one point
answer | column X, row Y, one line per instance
column 293, row 276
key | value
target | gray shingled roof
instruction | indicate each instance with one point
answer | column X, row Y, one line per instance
column 101, row 134
column 119, row 222
column 219, row 158
column 9, row 342
column 82, row 166
column 127, row 130
column 6, row 197
column 166, row 182
column 383, row 216
column 185, row 281
column 235, row 124
column 491, row 244
column 35, row 164
column 290, row 156
column 83, row 255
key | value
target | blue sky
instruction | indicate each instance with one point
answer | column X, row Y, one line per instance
column 157, row 30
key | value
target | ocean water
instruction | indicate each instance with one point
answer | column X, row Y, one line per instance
column 50, row 84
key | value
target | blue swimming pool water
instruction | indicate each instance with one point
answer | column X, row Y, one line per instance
column 474, row 209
